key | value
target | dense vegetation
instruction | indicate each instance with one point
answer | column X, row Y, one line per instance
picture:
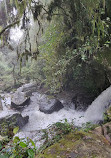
column 68, row 39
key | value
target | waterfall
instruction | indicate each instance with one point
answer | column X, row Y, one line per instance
column 96, row 110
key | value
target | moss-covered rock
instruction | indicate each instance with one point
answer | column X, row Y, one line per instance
column 79, row 145
column 104, row 130
column 8, row 123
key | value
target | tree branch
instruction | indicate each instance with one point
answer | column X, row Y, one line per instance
column 8, row 26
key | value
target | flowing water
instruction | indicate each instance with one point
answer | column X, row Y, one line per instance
column 38, row 120
column 96, row 110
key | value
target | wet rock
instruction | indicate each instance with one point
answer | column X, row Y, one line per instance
column 28, row 89
column 76, row 99
column 19, row 100
column 7, row 124
column 51, row 106
column 82, row 101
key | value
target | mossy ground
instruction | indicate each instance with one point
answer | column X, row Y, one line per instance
column 79, row 145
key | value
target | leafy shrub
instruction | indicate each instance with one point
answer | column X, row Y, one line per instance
column 55, row 133
column 88, row 126
column 63, row 128
column 20, row 148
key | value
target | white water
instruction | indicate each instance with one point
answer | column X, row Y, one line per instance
column 96, row 110
column 38, row 120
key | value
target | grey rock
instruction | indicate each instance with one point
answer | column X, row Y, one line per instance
column 51, row 106
column 82, row 101
column 19, row 100
column 28, row 89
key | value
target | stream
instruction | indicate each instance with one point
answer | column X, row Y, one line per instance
column 39, row 120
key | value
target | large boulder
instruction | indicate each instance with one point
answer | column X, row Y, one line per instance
column 78, row 144
column 50, row 106
column 7, row 124
column 19, row 100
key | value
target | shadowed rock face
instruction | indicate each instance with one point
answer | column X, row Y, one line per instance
column 10, row 122
column 21, row 105
column 82, row 101
column 51, row 106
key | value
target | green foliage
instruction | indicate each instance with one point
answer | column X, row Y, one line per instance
column 53, row 64
column 63, row 128
column 106, row 118
column 72, row 40
column 20, row 148
column 3, row 152
column 88, row 126
column 78, row 29
column 6, row 128
column 16, row 130
column 58, row 130
column 107, row 115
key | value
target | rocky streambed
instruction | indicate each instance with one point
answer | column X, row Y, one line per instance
column 34, row 111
